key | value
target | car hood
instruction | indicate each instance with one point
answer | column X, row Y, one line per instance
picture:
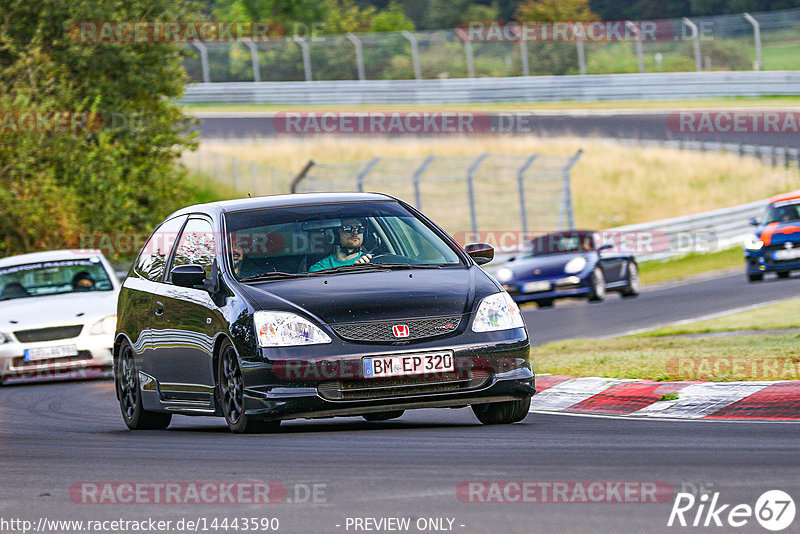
column 56, row 310
column 376, row 296
column 779, row 233
column 548, row 265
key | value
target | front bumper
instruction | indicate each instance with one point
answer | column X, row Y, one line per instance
column 94, row 355
column 334, row 385
column 560, row 287
column 756, row 262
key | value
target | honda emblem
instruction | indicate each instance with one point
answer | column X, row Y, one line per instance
column 400, row 330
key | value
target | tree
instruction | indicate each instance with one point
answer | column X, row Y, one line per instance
column 555, row 10
column 121, row 172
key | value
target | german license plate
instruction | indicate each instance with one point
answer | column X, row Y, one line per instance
column 408, row 364
column 47, row 353
column 786, row 254
column 535, row 287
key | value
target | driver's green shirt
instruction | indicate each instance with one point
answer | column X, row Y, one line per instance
column 332, row 261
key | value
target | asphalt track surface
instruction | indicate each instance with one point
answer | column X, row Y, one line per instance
column 654, row 307
column 661, row 125
column 53, row 436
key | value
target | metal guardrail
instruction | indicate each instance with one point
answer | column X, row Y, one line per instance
column 660, row 86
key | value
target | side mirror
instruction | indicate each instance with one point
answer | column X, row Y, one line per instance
column 188, row 275
column 605, row 247
column 753, row 221
column 481, row 253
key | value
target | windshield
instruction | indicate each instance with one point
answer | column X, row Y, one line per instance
column 53, row 277
column 782, row 212
column 562, row 243
column 342, row 237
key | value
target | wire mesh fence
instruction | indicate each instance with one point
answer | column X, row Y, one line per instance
column 240, row 175
column 729, row 42
column 490, row 191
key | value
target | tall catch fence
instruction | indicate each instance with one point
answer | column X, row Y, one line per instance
column 483, row 193
column 757, row 41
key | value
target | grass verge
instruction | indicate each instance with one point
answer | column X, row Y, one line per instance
column 658, row 355
column 652, row 272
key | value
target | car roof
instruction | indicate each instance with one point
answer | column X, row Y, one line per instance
column 794, row 195
column 50, row 255
column 278, row 201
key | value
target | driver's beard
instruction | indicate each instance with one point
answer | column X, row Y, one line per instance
column 347, row 251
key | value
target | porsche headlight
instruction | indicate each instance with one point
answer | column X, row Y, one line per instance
column 575, row 265
column 497, row 312
column 505, row 275
column 108, row 325
column 753, row 243
column 284, row 329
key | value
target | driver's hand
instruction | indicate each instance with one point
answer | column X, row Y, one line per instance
column 364, row 258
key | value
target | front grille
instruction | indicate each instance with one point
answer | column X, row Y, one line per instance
column 404, row 386
column 48, row 334
column 382, row 331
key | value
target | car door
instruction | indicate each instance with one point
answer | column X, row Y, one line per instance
column 136, row 301
column 186, row 320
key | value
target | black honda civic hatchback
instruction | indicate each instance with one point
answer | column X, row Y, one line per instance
column 314, row 305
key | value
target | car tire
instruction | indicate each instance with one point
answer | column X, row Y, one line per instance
column 383, row 416
column 784, row 274
column 546, row 303
column 230, row 395
column 598, row 285
column 755, row 277
column 129, row 393
column 502, row 413
column 634, row 285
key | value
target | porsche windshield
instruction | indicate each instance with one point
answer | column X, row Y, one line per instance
column 53, row 277
column 287, row 242
column 566, row 242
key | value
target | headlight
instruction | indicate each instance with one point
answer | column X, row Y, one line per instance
column 497, row 312
column 284, row 329
column 105, row 326
column 575, row 265
column 753, row 243
column 505, row 275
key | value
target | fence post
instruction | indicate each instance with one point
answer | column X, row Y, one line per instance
column 523, row 54
column 698, row 60
column 203, row 60
column 359, row 54
column 639, row 52
column 300, row 175
column 581, row 56
column 253, row 59
column 521, row 188
column 757, row 35
column 363, row 174
column 473, row 214
column 566, row 201
column 414, row 53
column 254, row 172
column 417, row 176
column 306, row 56
column 467, row 51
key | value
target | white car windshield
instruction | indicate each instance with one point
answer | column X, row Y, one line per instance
column 53, row 277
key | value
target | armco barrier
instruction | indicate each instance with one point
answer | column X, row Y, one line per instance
column 663, row 86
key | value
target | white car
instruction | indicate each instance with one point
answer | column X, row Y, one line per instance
column 57, row 315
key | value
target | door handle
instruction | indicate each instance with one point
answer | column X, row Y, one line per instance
column 159, row 308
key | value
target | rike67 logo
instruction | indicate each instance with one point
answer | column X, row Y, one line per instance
column 774, row 510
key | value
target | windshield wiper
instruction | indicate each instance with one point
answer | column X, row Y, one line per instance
column 377, row 267
column 272, row 276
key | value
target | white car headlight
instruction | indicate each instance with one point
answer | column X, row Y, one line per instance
column 575, row 265
column 753, row 243
column 284, row 329
column 497, row 312
column 108, row 325
column 505, row 275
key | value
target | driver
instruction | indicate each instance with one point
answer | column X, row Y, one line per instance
column 82, row 281
column 348, row 250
